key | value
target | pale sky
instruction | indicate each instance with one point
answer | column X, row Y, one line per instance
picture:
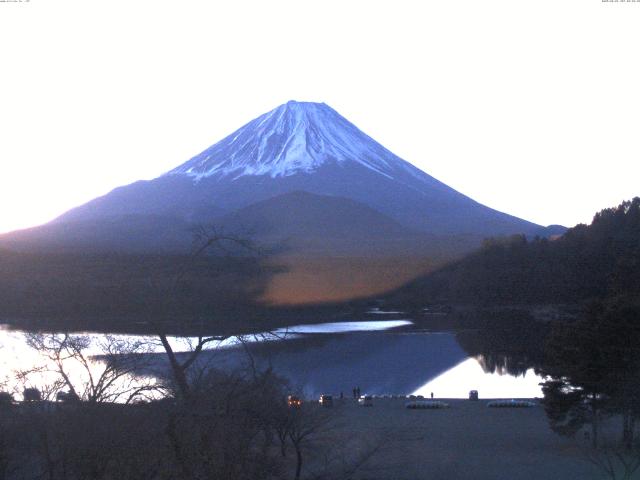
column 530, row 107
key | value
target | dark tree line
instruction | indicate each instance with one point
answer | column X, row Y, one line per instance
column 588, row 262
column 114, row 292
column 593, row 370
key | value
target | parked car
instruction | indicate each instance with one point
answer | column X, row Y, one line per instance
column 67, row 397
column 326, row 400
column 365, row 401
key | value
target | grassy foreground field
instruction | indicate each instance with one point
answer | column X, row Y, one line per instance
column 466, row 441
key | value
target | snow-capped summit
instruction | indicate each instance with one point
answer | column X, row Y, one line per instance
column 301, row 147
column 292, row 138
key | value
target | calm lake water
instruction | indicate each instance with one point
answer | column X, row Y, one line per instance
column 383, row 357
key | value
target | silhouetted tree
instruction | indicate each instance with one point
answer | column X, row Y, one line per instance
column 305, row 424
column 93, row 369
column 205, row 240
column 593, row 367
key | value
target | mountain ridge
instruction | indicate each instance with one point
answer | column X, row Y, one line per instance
column 310, row 147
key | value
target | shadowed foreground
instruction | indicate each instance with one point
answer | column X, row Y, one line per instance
column 466, row 441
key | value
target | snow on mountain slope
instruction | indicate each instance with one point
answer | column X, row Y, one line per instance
column 292, row 138
column 309, row 147
column 304, row 146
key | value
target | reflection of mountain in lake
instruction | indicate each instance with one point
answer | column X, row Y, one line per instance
column 471, row 375
column 508, row 342
column 379, row 363
column 330, row 358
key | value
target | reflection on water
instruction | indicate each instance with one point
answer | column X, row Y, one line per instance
column 470, row 375
column 345, row 327
column 331, row 358
column 391, row 362
column 378, row 362
column 92, row 367
column 21, row 366
column 378, row 311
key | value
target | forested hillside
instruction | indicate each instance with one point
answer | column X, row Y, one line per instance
column 588, row 262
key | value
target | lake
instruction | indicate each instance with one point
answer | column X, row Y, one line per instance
column 381, row 357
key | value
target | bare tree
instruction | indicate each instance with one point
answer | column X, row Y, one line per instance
column 305, row 425
column 317, row 436
column 109, row 374
column 222, row 431
column 205, row 240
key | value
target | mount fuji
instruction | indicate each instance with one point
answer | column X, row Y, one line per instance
column 300, row 174
column 302, row 146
